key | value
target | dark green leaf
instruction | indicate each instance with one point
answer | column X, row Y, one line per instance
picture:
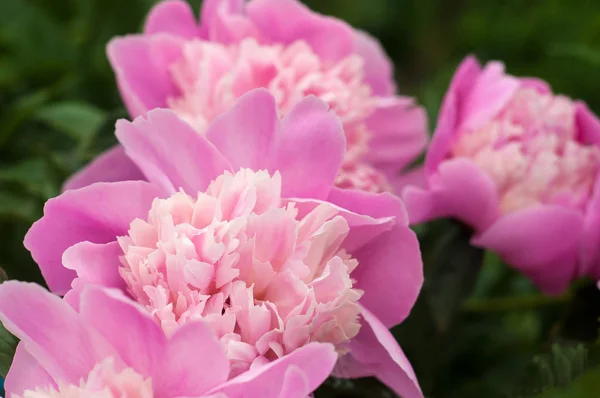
column 78, row 120
column 8, row 345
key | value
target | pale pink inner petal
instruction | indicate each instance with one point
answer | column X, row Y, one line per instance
column 211, row 76
column 265, row 279
column 532, row 153
column 104, row 381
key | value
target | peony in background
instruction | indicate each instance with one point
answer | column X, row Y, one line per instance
column 480, row 328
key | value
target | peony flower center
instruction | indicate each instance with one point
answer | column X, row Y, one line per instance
column 211, row 76
column 267, row 279
column 530, row 150
column 102, row 382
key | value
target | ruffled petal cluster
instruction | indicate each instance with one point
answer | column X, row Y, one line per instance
column 237, row 256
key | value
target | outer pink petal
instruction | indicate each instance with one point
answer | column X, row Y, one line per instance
column 142, row 68
column 390, row 272
column 48, row 328
column 414, row 177
column 535, row 83
column 379, row 70
column 375, row 352
column 98, row 213
column 245, row 134
column 488, row 96
column 399, row 132
column 309, row 151
column 449, row 118
column 111, row 166
column 459, row 190
column 95, row 263
column 542, row 241
column 589, row 264
column 25, row 373
column 314, row 360
column 172, row 16
column 170, row 152
column 188, row 364
column 224, row 21
column 286, row 21
column 588, row 124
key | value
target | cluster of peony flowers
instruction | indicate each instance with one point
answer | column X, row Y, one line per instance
column 246, row 237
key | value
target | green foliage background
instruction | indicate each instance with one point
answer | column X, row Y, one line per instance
column 479, row 329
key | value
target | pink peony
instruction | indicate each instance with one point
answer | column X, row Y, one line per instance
column 244, row 229
column 280, row 45
column 112, row 348
column 518, row 164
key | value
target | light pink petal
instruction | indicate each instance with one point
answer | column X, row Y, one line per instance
column 538, row 84
column 194, row 362
column 142, row 68
column 295, row 384
column 449, row 117
column 26, row 306
column 170, row 153
column 379, row 70
column 390, row 272
column 588, row 124
column 224, row 21
column 172, row 16
column 244, row 134
column 95, row 263
column 98, row 213
column 489, row 95
column 188, row 364
column 368, row 215
column 25, row 373
column 309, row 151
column 399, row 133
column 110, row 166
column 286, row 21
column 314, row 360
column 375, row 352
column 459, row 190
column 542, row 241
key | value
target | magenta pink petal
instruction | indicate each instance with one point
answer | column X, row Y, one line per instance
column 535, row 83
column 314, row 360
column 98, row 213
column 286, row 21
column 590, row 239
column 172, row 16
column 488, row 96
column 375, row 352
column 188, row 364
column 211, row 13
column 110, row 166
column 142, row 68
column 170, row 152
column 390, row 272
column 25, row 373
column 63, row 331
column 399, row 129
column 532, row 239
column 414, row 177
column 459, row 190
column 450, row 114
column 379, row 70
column 309, row 151
column 245, row 134
column 95, row 263
column 588, row 124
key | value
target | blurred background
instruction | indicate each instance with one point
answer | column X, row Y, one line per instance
column 59, row 103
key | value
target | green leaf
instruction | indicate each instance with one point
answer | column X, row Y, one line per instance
column 585, row 386
column 32, row 174
column 8, row 345
column 451, row 273
column 18, row 206
column 78, row 120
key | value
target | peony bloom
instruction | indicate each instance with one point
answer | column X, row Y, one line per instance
column 112, row 348
column 519, row 165
column 243, row 228
column 199, row 71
